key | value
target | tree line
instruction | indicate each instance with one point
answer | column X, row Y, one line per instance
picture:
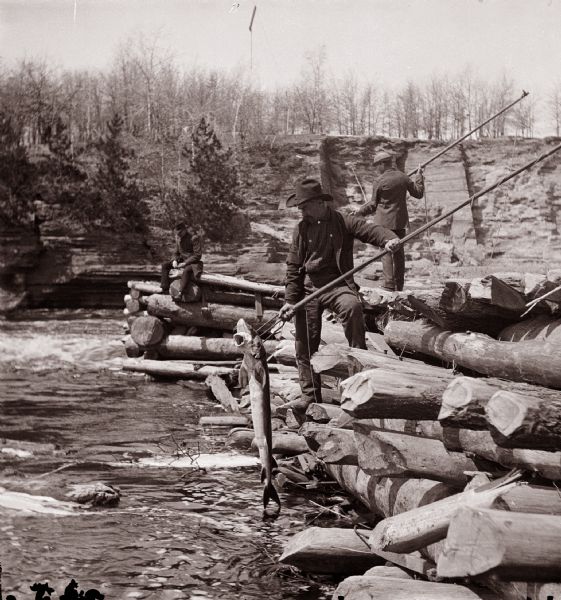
column 159, row 101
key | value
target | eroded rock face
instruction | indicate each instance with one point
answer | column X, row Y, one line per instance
column 46, row 266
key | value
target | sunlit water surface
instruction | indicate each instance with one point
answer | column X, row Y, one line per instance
column 177, row 533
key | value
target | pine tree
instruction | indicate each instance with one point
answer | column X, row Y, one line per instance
column 213, row 195
column 120, row 199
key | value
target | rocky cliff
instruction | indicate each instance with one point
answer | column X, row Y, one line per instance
column 516, row 225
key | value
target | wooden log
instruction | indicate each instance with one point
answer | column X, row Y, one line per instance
column 332, row 446
column 240, row 437
column 205, row 348
column 220, row 391
column 424, row 525
column 386, row 496
column 509, row 545
column 217, row 281
column 223, row 421
column 216, row 316
column 385, row 571
column 341, row 361
column 481, row 444
column 147, row 331
column 382, row 453
column 322, row 412
column 537, row 499
column 519, row 421
column 132, row 305
column 381, row 392
column 532, row 361
column 173, row 368
column 288, row 443
column 412, row 561
column 375, row 588
column 465, row 399
column 329, row 550
column 542, row 327
column 132, row 349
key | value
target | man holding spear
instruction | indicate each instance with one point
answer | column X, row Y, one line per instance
column 321, row 251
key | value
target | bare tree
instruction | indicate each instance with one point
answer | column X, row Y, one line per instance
column 554, row 103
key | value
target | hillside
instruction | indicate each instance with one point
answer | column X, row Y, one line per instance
column 515, row 227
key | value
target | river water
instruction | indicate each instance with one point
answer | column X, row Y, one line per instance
column 178, row 532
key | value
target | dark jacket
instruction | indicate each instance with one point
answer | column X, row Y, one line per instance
column 189, row 251
column 389, row 195
column 346, row 228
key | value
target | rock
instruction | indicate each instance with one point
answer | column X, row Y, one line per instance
column 95, row 494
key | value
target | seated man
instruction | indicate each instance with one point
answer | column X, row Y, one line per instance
column 321, row 251
column 188, row 254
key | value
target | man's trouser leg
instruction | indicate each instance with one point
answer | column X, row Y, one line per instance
column 186, row 277
column 164, row 280
column 308, row 336
column 393, row 264
column 347, row 306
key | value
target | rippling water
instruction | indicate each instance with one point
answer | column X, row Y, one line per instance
column 177, row 533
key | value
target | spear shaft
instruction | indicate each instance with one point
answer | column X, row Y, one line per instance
column 424, row 227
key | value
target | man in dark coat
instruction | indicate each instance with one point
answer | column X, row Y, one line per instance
column 322, row 250
column 389, row 205
column 188, row 254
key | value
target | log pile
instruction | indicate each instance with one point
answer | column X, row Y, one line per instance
column 447, row 429
column 459, row 471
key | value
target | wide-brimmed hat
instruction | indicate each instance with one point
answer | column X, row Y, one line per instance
column 307, row 189
column 382, row 156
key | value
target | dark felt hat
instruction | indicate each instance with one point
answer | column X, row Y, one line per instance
column 382, row 156
column 307, row 189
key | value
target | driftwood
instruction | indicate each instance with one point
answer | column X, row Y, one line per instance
column 385, row 571
column 376, row 588
column 383, row 453
column 329, row 550
column 412, row 561
column 174, row 368
column 532, row 361
column 383, row 392
column 524, row 422
column 419, row 527
column 510, row 545
column 542, row 327
column 205, row 348
column 217, row 316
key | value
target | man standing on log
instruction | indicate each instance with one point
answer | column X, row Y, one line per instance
column 188, row 255
column 322, row 250
column 389, row 205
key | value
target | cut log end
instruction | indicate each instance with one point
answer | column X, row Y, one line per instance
column 505, row 412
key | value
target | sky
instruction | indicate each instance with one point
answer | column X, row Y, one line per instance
column 384, row 41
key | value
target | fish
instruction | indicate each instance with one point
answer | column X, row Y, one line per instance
column 255, row 374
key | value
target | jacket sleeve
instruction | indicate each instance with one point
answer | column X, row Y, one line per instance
column 416, row 187
column 370, row 207
column 294, row 281
column 197, row 253
column 367, row 232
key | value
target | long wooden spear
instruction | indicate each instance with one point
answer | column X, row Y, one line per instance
column 456, row 142
column 423, row 228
